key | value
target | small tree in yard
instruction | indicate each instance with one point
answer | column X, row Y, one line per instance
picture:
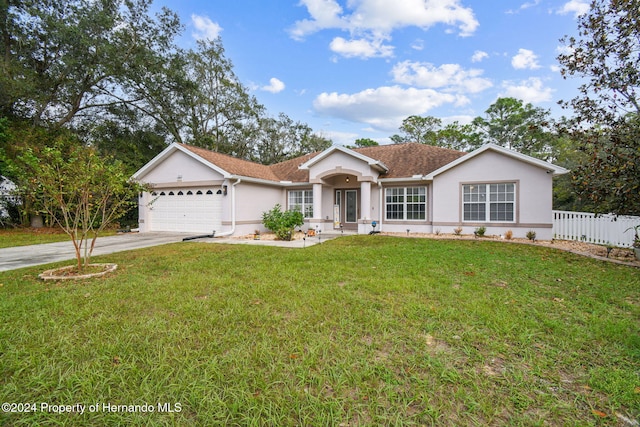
column 82, row 192
column 282, row 223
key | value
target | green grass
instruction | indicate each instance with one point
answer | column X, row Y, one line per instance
column 361, row 330
column 11, row 237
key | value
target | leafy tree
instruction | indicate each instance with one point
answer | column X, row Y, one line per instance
column 565, row 154
column 22, row 136
column 197, row 98
column 605, row 56
column 82, row 192
column 459, row 137
column 282, row 139
column 62, row 59
column 6, row 205
column 158, row 92
column 4, row 137
column 608, row 177
column 511, row 124
column 423, row 130
column 366, row 142
column 222, row 106
column 429, row 130
column 398, row 139
column 312, row 142
column 126, row 137
column 92, row 65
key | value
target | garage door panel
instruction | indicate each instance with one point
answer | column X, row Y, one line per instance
column 198, row 212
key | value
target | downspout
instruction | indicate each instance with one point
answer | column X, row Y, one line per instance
column 380, row 199
column 233, row 210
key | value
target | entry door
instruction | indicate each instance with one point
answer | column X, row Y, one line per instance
column 351, row 206
column 337, row 210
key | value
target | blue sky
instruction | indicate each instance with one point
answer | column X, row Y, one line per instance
column 356, row 68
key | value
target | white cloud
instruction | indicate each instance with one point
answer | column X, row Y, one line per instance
column 385, row 107
column 461, row 119
column 361, row 48
column 324, row 14
column 531, row 90
column 205, row 28
column 340, row 138
column 275, row 85
column 449, row 77
column 525, row 59
column 377, row 19
column 479, row 55
column 418, row 44
column 524, row 6
column 577, row 7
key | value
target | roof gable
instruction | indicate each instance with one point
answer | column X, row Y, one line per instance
column 556, row 170
column 167, row 152
column 377, row 164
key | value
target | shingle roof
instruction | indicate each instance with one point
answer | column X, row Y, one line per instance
column 233, row 165
column 403, row 161
column 289, row 171
column 406, row 160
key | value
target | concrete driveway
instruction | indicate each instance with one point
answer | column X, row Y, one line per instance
column 27, row 256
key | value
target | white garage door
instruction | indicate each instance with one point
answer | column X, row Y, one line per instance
column 186, row 210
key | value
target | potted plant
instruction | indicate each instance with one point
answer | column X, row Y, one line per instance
column 256, row 234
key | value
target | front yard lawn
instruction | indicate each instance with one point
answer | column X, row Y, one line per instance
column 11, row 237
column 357, row 331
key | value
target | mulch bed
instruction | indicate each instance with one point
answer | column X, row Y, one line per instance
column 617, row 255
column 71, row 272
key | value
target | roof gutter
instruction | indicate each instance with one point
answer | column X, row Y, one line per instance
column 415, row 178
column 268, row 182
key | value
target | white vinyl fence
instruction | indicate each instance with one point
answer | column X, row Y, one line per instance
column 599, row 229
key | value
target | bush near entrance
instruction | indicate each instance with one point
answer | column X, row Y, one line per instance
column 282, row 223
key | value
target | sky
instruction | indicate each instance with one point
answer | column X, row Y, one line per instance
column 356, row 68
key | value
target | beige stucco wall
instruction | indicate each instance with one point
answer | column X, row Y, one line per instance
column 180, row 164
column 533, row 194
column 252, row 199
column 339, row 162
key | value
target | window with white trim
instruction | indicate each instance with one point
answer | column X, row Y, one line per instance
column 489, row 202
column 301, row 201
column 406, row 203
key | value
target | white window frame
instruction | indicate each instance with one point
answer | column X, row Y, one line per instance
column 404, row 198
column 301, row 200
column 491, row 201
